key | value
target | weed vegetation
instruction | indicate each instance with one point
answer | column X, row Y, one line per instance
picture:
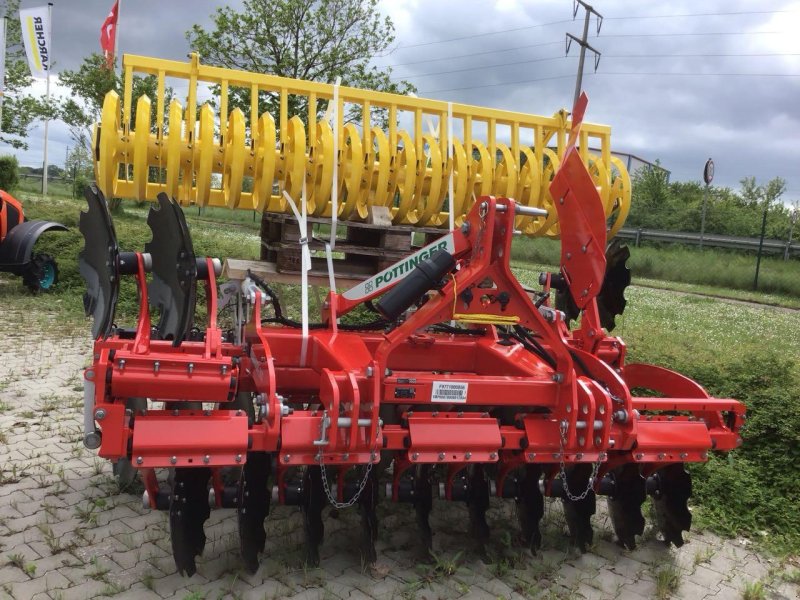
column 711, row 267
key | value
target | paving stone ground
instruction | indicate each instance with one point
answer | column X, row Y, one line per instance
column 67, row 532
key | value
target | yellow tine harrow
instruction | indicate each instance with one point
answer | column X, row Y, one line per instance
column 390, row 153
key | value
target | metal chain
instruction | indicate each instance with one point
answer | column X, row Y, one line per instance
column 562, row 468
column 331, row 498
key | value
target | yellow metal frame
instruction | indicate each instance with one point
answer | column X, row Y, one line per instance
column 407, row 171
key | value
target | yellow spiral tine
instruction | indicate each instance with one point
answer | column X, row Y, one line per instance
column 321, row 171
column 462, row 199
column 480, row 171
column 204, row 150
column 547, row 226
column 173, row 145
column 406, row 167
column 382, row 192
column 620, row 195
column 365, row 183
column 597, row 169
column 429, row 187
column 506, row 174
column 351, row 168
column 233, row 168
column 141, row 136
column 295, row 159
column 529, row 190
column 109, row 145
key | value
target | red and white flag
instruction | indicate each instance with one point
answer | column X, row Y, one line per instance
column 108, row 35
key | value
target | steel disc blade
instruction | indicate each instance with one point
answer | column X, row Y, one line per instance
column 98, row 263
column 578, row 513
column 253, row 507
column 611, row 300
column 367, row 504
column 625, row 504
column 188, row 511
column 530, row 507
column 478, row 504
column 312, row 505
column 673, row 488
column 174, row 271
column 423, row 504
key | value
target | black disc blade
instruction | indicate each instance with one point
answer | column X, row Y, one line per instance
column 625, row 504
column 672, row 490
column 478, row 504
column 423, row 504
column 530, row 507
column 253, row 507
column 367, row 504
column 611, row 300
column 188, row 511
column 98, row 263
column 578, row 511
column 312, row 505
column 174, row 270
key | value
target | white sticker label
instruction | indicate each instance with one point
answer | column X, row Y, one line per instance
column 449, row 391
column 399, row 270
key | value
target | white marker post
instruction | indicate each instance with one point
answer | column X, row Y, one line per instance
column 49, row 66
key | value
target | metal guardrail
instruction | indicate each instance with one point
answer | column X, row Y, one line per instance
column 711, row 240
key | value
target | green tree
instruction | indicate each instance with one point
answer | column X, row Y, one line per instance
column 20, row 109
column 88, row 87
column 317, row 40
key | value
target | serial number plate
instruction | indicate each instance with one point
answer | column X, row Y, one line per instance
column 449, row 391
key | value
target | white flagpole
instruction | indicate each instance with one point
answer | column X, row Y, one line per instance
column 116, row 38
column 49, row 66
column 2, row 68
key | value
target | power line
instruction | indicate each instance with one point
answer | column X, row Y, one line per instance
column 644, row 74
column 470, row 55
column 562, row 21
column 623, row 35
column 546, row 59
column 696, row 55
column 507, row 64
column 717, row 14
column 473, row 87
column 476, row 35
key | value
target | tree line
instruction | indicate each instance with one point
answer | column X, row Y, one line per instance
column 658, row 203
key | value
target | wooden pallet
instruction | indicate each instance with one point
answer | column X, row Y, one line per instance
column 362, row 249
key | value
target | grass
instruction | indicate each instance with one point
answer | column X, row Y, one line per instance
column 754, row 590
column 668, row 580
column 711, row 267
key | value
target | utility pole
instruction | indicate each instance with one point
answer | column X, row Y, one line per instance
column 708, row 176
column 792, row 221
column 583, row 43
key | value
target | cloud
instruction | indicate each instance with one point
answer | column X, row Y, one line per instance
column 749, row 124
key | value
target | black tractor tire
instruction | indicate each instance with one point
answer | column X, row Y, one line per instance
column 40, row 274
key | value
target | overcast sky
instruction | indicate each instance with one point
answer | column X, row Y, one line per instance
column 673, row 87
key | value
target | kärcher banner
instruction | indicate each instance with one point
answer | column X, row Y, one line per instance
column 36, row 34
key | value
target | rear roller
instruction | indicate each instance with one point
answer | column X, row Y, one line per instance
column 188, row 511
column 670, row 488
column 253, row 507
column 625, row 504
